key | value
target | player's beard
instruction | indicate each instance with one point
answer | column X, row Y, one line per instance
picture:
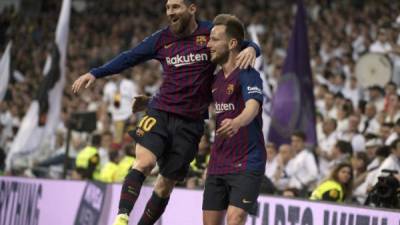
column 220, row 58
column 182, row 23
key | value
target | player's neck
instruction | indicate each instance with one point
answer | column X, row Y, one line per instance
column 190, row 29
column 230, row 65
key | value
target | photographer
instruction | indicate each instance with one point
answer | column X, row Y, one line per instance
column 392, row 162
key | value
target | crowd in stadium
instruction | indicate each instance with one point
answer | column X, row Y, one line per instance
column 358, row 127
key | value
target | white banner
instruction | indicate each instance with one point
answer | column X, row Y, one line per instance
column 5, row 70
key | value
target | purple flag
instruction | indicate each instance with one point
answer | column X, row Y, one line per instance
column 293, row 107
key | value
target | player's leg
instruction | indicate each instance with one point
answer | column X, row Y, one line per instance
column 145, row 161
column 150, row 137
column 243, row 198
column 158, row 201
column 236, row 216
column 174, row 164
column 213, row 217
column 215, row 200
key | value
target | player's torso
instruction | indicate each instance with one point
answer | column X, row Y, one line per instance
column 185, row 61
column 244, row 150
column 187, row 72
column 227, row 96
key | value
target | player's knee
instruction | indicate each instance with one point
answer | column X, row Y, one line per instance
column 144, row 166
column 145, row 160
column 236, row 218
column 164, row 186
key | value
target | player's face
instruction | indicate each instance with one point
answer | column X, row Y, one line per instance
column 218, row 45
column 179, row 15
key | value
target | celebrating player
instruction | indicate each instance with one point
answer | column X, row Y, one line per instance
column 238, row 157
column 170, row 132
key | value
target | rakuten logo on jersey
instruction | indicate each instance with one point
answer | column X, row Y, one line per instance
column 183, row 60
column 224, row 107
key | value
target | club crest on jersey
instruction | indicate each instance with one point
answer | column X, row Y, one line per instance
column 201, row 40
column 139, row 132
column 230, row 89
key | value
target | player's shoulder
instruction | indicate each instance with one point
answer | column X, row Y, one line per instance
column 156, row 35
column 204, row 24
column 249, row 73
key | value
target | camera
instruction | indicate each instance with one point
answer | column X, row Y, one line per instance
column 386, row 192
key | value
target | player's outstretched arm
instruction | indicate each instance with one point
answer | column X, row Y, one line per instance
column 84, row 80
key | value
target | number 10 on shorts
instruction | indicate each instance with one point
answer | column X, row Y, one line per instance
column 146, row 123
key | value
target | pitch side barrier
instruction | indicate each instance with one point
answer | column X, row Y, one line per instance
column 25, row 201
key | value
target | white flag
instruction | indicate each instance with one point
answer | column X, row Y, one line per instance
column 253, row 31
column 5, row 71
column 43, row 116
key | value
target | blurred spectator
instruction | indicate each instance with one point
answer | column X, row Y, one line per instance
column 326, row 144
column 352, row 134
column 359, row 163
column 337, row 187
column 371, row 146
column 272, row 160
column 88, row 161
column 280, row 178
column 394, row 135
column 391, row 163
column 105, row 147
column 121, row 106
column 341, row 153
column 108, row 171
column 125, row 164
column 369, row 124
column 302, row 169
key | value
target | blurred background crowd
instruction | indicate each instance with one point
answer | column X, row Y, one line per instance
column 358, row 126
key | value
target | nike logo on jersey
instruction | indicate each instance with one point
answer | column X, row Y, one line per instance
column 168, row 45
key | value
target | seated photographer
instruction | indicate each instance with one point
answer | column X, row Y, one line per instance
column 391, row 163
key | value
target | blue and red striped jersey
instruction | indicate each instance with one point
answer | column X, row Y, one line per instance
column 245, row 151
column 187, row 70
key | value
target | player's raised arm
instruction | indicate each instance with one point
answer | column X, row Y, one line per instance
column 141, row 53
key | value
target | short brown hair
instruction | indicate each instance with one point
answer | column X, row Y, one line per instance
column 234, row 27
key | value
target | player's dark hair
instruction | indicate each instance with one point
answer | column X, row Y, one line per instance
column 188, row 2
column 234, row 27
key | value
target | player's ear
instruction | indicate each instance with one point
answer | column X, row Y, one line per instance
column 233, row 43
column 192, row 9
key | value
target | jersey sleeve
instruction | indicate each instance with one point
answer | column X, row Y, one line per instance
column 251, row 83
column 141, row 53
column 246, row 44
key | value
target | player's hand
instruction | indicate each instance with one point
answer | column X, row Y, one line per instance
column 140, row 103
column 229, row 127
column 84, row 80
column 246, row 58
